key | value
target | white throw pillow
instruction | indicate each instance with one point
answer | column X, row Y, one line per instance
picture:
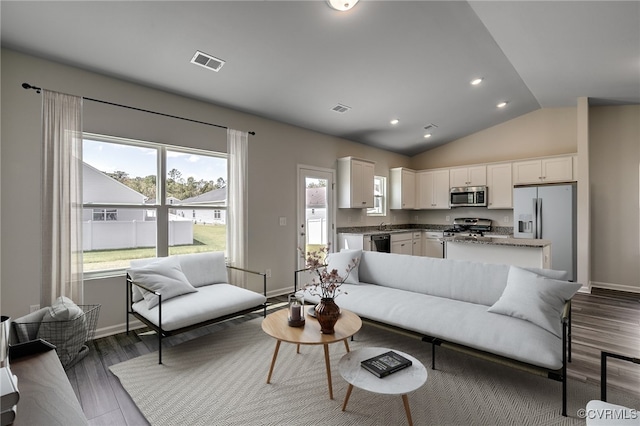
column 165, row 277
column 341, row 261
column 535, row 298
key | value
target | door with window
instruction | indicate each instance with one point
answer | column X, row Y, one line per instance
column 315, row 227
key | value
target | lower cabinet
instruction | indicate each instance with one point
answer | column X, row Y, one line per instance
column 402, row 243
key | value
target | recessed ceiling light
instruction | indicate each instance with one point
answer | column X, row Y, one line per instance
column 476, row 81
column 342, row 5
column 502, row 104
column 394, row 121
column 427, row 136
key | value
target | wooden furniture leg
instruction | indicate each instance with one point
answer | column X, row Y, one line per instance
column 346, row 345
column 405, row 400
column 273, row 360
column 327, row 363
column 346, row 397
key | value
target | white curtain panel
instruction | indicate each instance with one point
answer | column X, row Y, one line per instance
column 61, row 198
column 237, row 147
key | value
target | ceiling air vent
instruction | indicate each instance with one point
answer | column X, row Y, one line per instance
column 340, row 108
column 207, row 61
column 430, row 126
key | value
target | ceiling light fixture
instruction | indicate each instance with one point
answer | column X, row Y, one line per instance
column 394, row 121
column 427, row 136
column 476, row 81
column 342, row 5
column 502, row 104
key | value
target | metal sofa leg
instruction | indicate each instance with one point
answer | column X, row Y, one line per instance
column 159, row 348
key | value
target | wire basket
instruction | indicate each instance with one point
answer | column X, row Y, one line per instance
column 68, row 336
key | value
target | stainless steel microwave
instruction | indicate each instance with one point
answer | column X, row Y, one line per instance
column 468, row 196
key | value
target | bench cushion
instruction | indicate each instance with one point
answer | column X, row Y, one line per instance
column 209, row 302
column 164, row 276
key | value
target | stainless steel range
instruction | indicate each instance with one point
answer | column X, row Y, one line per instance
column 468, row 227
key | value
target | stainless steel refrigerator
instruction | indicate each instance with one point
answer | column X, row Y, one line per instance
column 548, row 212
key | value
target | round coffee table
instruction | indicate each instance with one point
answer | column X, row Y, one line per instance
column 398, row 383
column 275, row 325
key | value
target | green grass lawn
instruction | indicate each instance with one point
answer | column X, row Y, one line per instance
column 205, row 238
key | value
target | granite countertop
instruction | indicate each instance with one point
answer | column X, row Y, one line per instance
column 514, row 242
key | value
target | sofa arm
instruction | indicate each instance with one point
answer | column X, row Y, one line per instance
column 566, row 312
column 262, row 274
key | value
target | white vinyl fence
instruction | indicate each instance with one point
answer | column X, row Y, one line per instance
column 105, row 235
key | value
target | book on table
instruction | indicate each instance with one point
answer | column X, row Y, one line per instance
column 384, row 364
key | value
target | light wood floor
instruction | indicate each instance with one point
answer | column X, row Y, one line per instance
column 604, row 320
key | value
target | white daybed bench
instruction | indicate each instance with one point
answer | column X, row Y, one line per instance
column 516, row 316
column 175, row 294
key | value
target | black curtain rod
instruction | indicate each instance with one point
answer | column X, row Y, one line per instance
column 38, row 90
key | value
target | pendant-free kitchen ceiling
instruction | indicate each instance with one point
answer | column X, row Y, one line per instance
column 294, row 61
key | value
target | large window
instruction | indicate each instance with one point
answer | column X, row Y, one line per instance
column 379, row 197
column 143, row 199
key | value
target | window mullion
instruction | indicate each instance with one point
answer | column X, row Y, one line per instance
column 162, row 222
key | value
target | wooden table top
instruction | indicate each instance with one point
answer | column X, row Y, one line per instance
column 276, row 326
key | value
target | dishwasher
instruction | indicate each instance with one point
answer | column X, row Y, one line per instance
column 381, row 243
column 433, row 244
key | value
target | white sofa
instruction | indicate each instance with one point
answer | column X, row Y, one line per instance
column 180, row 293
column 512, row 314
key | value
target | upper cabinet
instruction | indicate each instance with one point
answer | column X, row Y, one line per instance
column 403, row 188
column 468, row 176
column 433, row 189
column 545, row 170
column 499, row 186
column 355, row 183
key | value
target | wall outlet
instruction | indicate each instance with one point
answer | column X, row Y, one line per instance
column 283, row 221
column 447, row 218
column 268, row 273
column 415, row 217
column 33, row 308
column 506, row 219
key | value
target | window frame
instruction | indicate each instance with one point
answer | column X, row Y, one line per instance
column 382, row 211
column 160, row 205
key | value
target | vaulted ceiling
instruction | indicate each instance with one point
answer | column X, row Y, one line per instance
column 294, row 61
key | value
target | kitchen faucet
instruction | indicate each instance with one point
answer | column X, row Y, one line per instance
column 382, row 227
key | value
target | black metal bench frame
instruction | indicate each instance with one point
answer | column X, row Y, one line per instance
column 166, row 333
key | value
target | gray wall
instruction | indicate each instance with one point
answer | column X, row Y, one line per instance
column 274, row 153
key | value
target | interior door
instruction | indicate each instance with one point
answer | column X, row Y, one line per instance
column 316, row 213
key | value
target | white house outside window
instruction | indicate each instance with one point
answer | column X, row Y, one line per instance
column 132, row 210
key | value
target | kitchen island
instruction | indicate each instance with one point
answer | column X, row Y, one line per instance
column 523, row 252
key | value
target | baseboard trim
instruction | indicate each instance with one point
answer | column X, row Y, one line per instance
column 613, row 286
column 118, row 328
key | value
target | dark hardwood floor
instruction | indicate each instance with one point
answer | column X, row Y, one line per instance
column 603, row 320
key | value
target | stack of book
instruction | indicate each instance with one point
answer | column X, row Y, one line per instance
column 10, row 396
column 386, row 363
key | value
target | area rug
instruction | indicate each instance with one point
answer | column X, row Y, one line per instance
column 220, row 379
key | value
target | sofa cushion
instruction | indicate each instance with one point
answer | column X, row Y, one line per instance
column 535, row 298
column 341, row 262
column 210, row 302
column 474, row 282
column 164, row 276
column 464, row 323
column 204, row 268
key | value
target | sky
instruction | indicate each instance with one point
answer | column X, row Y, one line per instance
column 141, row 161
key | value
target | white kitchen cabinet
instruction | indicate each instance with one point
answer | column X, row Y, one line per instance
column 433, row 189
column 416, row 248
column 355, row 183
column 545, row 170
column 403, row 188
column 402, row 243
column 468, row 176
column 500, row 186
column 433, row 246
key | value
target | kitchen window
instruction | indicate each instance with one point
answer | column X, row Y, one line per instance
column 379, row 197
column 143, row 199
